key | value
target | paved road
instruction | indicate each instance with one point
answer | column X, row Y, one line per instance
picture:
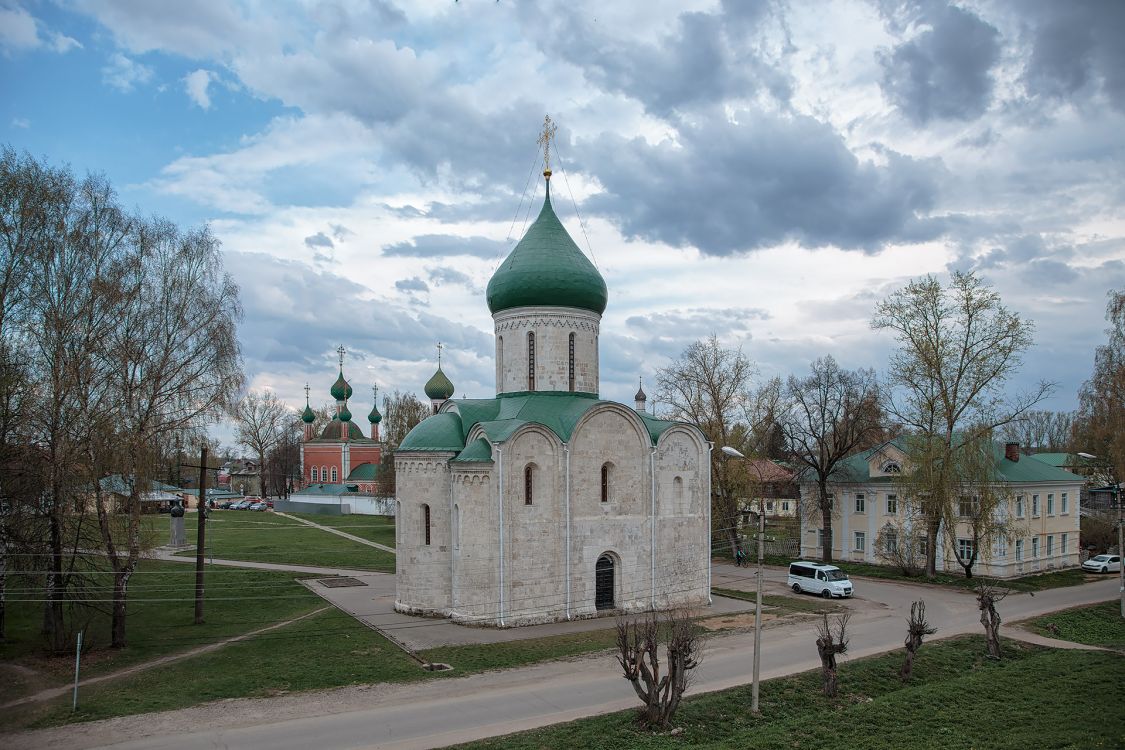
column 435, row 714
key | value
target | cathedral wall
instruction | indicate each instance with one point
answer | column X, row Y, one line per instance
column 423, row 578
column 682, row 533
column 475, row 542
column 323, row 456
column 552, row 327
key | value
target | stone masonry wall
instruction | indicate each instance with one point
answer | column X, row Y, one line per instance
column 552, row 327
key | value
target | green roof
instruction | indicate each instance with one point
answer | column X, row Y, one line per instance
column 340, row 389
column 364, row 472
column 439, row 386
column 499, row 418
column 374, row 417
column 308, row 417
column 855, row 469
column 547, row 268
column 478, row 451
column 332, row 431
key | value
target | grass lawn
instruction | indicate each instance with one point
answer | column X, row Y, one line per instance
column 161, row 611
column 266, row 537
column 379, row 529
column 1096, row 625
column 1035, row 697
column 783, row 604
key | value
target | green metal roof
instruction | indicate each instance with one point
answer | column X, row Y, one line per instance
column 439, row 386
column 308, row 417
column 364, row 472
column 502, row 416
column 340, row 389
column 855, row 468
column 547, row 268
column 478, row 451
column 332, row 431
column 374, row 417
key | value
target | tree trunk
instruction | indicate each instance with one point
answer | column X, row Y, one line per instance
column 907, row 668
column 117, row 627
column 990, row 618
column 931, row 547
column 826, row 523
column 828, row 671
column 53, row 621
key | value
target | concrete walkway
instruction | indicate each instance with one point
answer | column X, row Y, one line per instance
column 337, row 532
column 167, row 554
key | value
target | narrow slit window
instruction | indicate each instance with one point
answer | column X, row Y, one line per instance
column 571, row 368
column 605, row 483
column 531, row 361
column 426, row 524
column 528, row 485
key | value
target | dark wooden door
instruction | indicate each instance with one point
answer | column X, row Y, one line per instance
column 603, row 583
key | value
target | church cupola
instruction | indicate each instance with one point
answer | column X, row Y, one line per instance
column 640, row 399
column 547, row 301
column 308, row 416
column 439, row 388
column 375, row 417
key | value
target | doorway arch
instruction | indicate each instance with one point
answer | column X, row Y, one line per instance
column 604, row 575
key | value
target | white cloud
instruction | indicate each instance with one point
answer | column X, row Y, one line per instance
column 124, row 74
column 196, row 83
column 20, row 32
column 21, row 122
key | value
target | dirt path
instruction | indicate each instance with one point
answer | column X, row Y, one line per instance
column 55, row 692
column 337, row 532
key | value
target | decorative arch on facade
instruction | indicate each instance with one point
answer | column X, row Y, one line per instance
column 313, row 475
column 335, row 475
column 607, row 580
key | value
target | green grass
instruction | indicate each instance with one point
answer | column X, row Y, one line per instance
column 1035, row 697
column 475, row 658
column 161, row 609
column 782, row 604
column 380, row 529
column 1095, row 625
column 266, row 537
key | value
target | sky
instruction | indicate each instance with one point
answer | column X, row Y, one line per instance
column 762, row 171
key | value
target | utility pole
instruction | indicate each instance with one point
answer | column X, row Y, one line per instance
column 1120, row 544
column 200, row 535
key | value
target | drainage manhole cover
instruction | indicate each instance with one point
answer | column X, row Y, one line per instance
column 341, row 582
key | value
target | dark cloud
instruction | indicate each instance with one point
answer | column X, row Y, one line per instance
column 707, row 57
column 413, row 284
column 341, row 232
column 732, row 187
column 944, row 72
column 320, row 239
column 1077, row 48
column 696, row 323
column 442, row 275
column 441, row 245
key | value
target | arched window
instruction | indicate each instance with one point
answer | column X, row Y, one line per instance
column 571, row 369
column 335, row 476
column 607, row 479
column 528, row 484
column 530, row 361
column 499, row 364
column 678, row 492
column 314, row 475
column 425, row 524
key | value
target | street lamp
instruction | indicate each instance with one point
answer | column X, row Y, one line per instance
column 734, row 453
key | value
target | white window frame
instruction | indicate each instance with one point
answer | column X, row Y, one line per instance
column 860, row 539
column 1019, row 506
column 1064, row 504
column 964, row 545
column 1035, row 547
column 1019, row 550
column 1062, row 544
column 860, row 502
column 1001, row 547
column 1035, row 505
column 892, row 505
column 1050, row 545
column 1050, row 503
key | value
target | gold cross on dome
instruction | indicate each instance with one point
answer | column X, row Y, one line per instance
column 439, row 348
column 545, row 138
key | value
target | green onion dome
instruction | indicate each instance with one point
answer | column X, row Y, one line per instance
column 439, row 386
column 340, row 389
column 308, row 416
column 345, row 415
column 374, row 417
column 547, row 268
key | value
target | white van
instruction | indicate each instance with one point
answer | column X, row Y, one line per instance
column 815, row 578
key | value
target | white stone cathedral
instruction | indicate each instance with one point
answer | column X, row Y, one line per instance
column 547, row 503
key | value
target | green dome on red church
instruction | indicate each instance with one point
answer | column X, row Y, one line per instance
column 374, row 417
column 308, row 416
column 345, row 415
column 547, row 268
column 340, row 389
column 439, row 387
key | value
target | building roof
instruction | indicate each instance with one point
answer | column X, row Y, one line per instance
column 502, row 416
column 765, row 470
column 547, row 268
column 340, row 389
column 478, row 451
column 308, row 416
column 855, row 468
column 439, row 386
column 365, row 472
column 120, row 485
column 332, row 431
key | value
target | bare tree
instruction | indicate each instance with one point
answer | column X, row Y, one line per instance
column 988, row 596
column 709, row 387
column 830, row 414
column 958, row 346
column 261, row 418
column 917, row 628
column 1040, row 431
column 896, row 544
column 1100, row 423
column 638, row 646
column 401, row 413
column 831, row 641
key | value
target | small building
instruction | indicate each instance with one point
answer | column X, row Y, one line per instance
column 1042, row 500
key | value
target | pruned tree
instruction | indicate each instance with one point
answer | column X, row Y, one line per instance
column 958, row 346
column 988, row 596
column 830, row 414
column 638, row 653
column 917, row 628
column 261, row 419
column 709, row 386
column 831, row 641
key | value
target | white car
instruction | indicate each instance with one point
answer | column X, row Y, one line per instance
column 1103, row 564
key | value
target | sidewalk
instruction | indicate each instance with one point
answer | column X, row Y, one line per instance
column 337, row 532
column 164, row 553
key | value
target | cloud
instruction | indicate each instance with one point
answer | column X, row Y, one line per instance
column 414, row 284
column 124, row 74
column 1076, row 48
column 21, row 122
column 729, row 187
column 441, row 275
column 945, row 71
column 320, row 239
column 19, row 32
column 341, row 232
column 441, row 245
column 196, row 83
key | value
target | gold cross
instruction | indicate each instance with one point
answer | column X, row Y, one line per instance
column 545, row 138
column 439, row 347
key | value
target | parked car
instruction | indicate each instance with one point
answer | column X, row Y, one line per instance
column 1103, row 564
column 260, row 505
column 816, row 578
column 269, row 504
column 225, row 504
column 240, row 505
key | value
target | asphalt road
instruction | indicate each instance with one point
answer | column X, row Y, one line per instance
column 439, row 713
